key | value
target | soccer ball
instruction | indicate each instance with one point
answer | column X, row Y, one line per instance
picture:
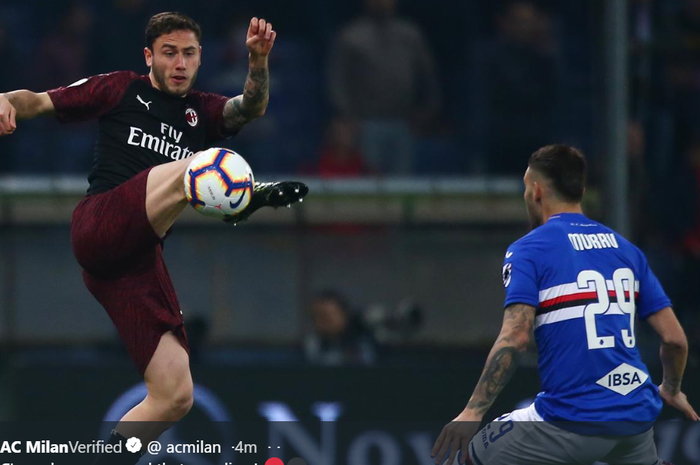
column 219, row 182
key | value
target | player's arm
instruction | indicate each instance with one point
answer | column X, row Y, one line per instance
column 501, row 363
column 674, row 355
column 244, row 108
column 19, row 105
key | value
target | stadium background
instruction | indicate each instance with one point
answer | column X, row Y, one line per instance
column 415, row 248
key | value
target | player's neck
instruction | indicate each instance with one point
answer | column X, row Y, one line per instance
column 559, row 208
column 154, row 83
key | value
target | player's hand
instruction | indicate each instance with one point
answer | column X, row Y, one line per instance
column 260, row 37
column 455, row 436
column 8, row 124
column 679, row 401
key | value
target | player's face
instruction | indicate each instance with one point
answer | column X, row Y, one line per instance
column 174, row 62
column 532, row 203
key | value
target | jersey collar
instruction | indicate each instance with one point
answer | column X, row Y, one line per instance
column 565, row 216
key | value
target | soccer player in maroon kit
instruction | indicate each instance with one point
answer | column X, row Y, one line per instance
column 149, row 126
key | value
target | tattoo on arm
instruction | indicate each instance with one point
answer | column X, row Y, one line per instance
column 242, row 109
column 674, row 360
column 257, row 88
column 503, row 359
column 233, row 115
column 673, row 383
column 499, row 369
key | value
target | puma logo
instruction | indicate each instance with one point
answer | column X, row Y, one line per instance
column 145, row 104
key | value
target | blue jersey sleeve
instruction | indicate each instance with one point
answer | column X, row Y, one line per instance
column 520, row 278
column 652, row 297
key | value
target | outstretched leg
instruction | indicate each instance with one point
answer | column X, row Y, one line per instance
column 165, row 194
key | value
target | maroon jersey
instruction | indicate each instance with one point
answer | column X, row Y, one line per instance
column 139, row 126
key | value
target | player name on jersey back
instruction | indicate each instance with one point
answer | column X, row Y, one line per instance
column 581, row 241
column 590, row 287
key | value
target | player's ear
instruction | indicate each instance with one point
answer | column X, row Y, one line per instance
column 537, row 192
column 200, row 55
column 148, row 55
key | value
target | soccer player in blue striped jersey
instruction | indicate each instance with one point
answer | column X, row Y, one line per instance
column 581, row 288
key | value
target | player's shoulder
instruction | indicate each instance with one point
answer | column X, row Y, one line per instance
column 113, row 80
column 632, row 253
column 208, row 102
column 629, row 248
column 537, row 236
column 619, row 240
column 547, row 240
column 529, row 245
column 126, row 74
column 118, row 77
column 200, row 94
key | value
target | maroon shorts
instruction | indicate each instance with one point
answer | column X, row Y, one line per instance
column 122, row 260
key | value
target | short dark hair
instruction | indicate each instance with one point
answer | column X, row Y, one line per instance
column 167, row 22
column 564, row 167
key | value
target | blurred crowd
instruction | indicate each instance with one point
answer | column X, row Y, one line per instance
column 403, row 87
column 664, row 146
column 368, row 87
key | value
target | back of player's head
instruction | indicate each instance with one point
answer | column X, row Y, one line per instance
column 564, row 167
column 167, row 22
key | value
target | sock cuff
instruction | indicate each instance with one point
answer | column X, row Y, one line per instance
column 114, row 435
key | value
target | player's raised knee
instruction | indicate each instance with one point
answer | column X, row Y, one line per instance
column 180, row 397
column 181, row 403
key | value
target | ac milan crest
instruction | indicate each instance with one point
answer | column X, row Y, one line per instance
column 192, row 117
